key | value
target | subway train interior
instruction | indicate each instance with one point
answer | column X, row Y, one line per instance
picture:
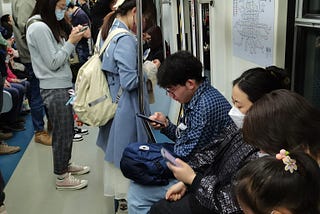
column 227, row 36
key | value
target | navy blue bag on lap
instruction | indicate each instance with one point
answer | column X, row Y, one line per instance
column 144, row 164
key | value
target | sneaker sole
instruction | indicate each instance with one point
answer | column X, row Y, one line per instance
column 82, row 185
column 77, row 140
column 82, row 133
column 43, row 143
column 82, row 172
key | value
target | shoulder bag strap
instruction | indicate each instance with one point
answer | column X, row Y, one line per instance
column 109, row 38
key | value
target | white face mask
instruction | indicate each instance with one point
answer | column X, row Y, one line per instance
column 237, row 116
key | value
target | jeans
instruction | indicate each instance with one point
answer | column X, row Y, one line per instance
column 35, row 100
column 17, row 98
column 141, row 197
column 83, row 52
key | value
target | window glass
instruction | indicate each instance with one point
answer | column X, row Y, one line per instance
column 311, row 8
column 307, row 72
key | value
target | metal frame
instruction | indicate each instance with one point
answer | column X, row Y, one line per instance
column 140, row 70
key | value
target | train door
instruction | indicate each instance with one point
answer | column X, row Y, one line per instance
column 306, row 57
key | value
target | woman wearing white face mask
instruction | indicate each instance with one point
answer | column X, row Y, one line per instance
column 253, row 84
column 50, row 47
column 209, row 176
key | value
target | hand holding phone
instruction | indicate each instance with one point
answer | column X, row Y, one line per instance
column 169, row 157
column 150, row 120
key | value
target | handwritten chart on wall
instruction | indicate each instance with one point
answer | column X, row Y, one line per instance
column 253, row 30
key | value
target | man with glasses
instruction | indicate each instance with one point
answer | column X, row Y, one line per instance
column 205, row 115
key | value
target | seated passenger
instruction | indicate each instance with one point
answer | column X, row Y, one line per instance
column 288, row 183
column 288, row 121
column 208, row 177
column 205, row 116
column 10, row 121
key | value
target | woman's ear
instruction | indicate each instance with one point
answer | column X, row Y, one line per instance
column 134, row 10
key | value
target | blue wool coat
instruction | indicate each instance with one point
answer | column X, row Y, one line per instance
column 120, row 63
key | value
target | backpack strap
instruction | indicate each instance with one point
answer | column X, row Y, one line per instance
column 110, row 36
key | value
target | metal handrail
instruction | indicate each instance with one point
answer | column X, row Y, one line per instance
column 140, row 70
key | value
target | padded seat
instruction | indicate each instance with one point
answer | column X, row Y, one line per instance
column 7, row 102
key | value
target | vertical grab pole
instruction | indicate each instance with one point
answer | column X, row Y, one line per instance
column 140, row 70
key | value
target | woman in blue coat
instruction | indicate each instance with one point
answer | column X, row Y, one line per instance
column 120, row 66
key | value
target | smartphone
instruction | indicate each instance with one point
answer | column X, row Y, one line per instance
column 150, row 120
column 83, row 29
column 169, row 157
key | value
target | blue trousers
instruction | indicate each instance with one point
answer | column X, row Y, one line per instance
column 141, row 197
column 17, row 94
column 35, row 100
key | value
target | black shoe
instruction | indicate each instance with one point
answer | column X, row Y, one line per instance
column 21, row 119
column 14, row 127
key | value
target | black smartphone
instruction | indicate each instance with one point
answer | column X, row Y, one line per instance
column 150, row 120
column 83, row 29
column 169, row 157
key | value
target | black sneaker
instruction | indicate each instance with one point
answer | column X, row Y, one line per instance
column 80, row 131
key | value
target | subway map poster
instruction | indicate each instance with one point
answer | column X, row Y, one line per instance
column 253, row 30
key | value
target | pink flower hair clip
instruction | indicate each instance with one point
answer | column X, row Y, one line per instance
column 290, row 163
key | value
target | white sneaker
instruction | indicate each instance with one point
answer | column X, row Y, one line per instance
column 70, row 183
column 80, row 131
column 75, row 169
column 77, row 138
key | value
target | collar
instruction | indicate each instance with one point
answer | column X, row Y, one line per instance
column 202, row 87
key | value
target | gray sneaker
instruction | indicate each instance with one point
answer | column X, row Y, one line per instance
column 70, row 183
column 75, row 169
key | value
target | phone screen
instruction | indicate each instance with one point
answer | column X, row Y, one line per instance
column 150, row 120
column 168, row 156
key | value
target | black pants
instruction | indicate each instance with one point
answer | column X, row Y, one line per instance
column 187, row 205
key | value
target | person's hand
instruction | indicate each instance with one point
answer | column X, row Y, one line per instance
column 7, row 84
column 183, row 172
column 16, row 80
column 76, row 35
column 160, row 117
column 156, row 62
column 146, row 37
column 176, row 192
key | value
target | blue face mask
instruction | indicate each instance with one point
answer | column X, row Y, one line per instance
column 60, row 14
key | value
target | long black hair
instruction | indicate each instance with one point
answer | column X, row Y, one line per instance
column 46, row 9
column 258, row 81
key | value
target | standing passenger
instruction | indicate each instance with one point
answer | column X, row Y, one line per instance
column 21, row 11
column 50, row 51
column 120, row 66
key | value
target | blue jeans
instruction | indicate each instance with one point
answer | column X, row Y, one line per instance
column 140, row 197
column 35, row 100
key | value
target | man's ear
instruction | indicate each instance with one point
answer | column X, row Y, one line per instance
column 191, row 84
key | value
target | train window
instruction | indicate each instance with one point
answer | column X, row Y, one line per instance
column 311, row 9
